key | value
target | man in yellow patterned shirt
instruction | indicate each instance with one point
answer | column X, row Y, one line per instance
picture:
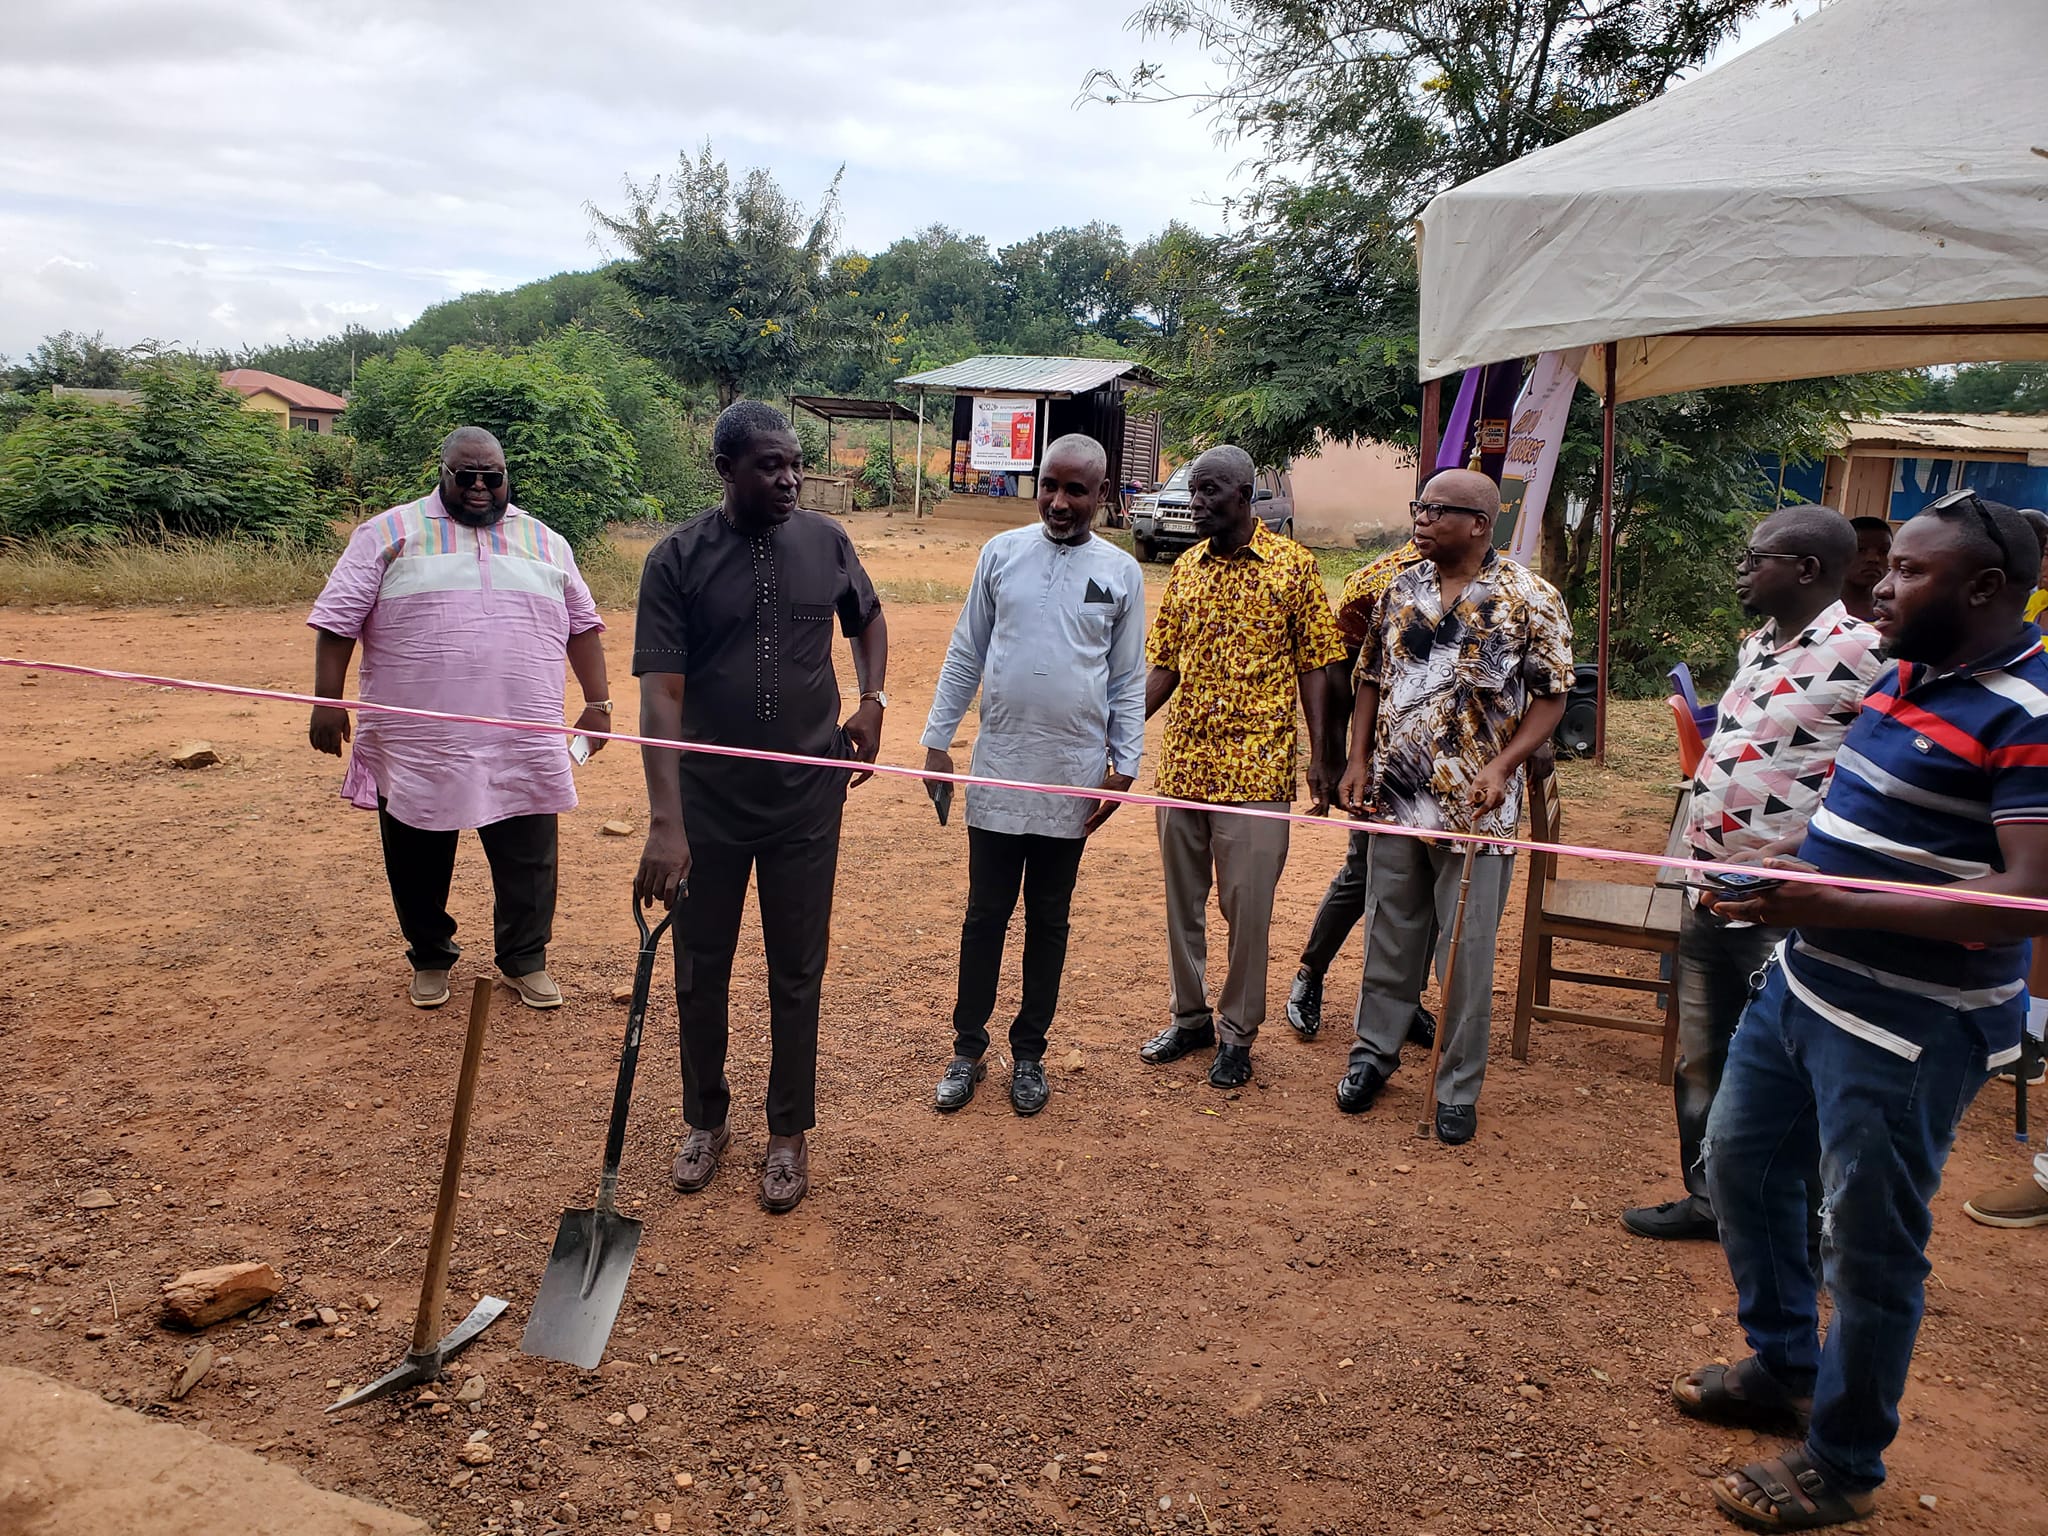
column 1244, row 629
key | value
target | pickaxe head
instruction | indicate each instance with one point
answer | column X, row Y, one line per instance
column 425, row 1366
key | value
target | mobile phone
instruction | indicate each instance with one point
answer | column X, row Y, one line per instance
column 1735, row 883
column 579, row 749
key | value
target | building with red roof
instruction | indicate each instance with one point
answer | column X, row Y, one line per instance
column 298, row 406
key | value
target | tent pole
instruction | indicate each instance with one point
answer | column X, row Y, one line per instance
column 917, row 471
column 1606, row 551
column 1432, row 431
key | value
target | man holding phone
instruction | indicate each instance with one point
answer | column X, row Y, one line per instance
column 466, row 604
column 1880, row 1016
column 1053, row 636
column 1799, row 683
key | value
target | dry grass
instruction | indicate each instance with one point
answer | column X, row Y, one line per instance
column 186, row 571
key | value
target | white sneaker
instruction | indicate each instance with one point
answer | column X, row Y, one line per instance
column 429, row 989
column 536, row 989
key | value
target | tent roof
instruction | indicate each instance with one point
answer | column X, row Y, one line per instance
column 1867, row 190
column 851, row 408
column 997, row 374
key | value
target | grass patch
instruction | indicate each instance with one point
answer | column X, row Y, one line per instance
column 921, row 590
column 243, row 574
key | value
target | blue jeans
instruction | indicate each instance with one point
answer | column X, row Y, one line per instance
column 1798, row 1087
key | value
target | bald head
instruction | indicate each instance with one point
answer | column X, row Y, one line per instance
column 1465, row 488
column 462, row 445
column 1228, row 463
column 1821, row 532
column 1079, row 454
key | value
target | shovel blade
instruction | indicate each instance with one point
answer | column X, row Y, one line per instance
column 583, row 1287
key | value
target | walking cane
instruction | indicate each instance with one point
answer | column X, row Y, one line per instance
column 1436, row 1046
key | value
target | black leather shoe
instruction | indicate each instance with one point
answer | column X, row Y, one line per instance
column 957, row 1086
column 1674, row 1219
column 1028, row 1088
column 1361, row 1085
column 1232, row 1067
column 1305, row 1003
column 1174, row 1042
column 1456, row 1124
column 1422, row 1028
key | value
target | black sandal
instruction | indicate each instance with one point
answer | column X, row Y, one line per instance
column 1787, row 1493
column 1742, row 1396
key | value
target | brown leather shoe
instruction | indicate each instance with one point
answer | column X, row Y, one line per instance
column 787, row 1178
column 698, row 1161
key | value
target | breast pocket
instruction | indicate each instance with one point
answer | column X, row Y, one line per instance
column 808, row 636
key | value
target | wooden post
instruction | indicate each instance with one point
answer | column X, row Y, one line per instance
column 917, row 475
column 1606, row 551
column 1432, row 432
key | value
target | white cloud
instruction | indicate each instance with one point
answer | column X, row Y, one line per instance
column 224, row 171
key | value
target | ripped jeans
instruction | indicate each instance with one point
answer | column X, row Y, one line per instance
column 1882, row 1125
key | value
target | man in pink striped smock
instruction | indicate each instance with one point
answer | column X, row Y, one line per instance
column 464, row 603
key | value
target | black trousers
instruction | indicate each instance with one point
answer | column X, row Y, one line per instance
column 795, row 885
column 420, row 865
column 1342, row 906
column 998, row 864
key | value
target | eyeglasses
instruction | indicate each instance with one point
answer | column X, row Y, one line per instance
column 1430, row 511
column 469, row 479
column 1975, row 503
column 1747, row 560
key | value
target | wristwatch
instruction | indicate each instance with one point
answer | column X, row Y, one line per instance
column 877, row 695
column 602, row 706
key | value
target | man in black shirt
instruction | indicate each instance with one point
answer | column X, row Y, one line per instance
column 737, row 604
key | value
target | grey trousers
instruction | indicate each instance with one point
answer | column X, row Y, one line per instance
column 1243, row 857
column 1412, row 891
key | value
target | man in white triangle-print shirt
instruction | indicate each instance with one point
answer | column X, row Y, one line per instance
column 1799, row 684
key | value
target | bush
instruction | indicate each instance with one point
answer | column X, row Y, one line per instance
column 188, row 462
column 885, row 482
column 570, row 462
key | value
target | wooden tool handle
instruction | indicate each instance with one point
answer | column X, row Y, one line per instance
column 1443, row 1025
column 426, row 1324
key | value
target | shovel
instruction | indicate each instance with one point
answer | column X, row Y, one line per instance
column 423, row 1362
column 586, row 1275
column 1436, row 1046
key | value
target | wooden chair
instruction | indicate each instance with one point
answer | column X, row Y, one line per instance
column 1604, row 912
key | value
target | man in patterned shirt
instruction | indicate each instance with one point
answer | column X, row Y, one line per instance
column 1243, row 629
column 1343, row 904
column 1463, row 678
column 1798, row 686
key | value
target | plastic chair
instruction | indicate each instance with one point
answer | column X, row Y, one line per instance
column 1705, row 716
column 1691, row 745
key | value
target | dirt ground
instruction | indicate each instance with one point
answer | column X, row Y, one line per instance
column 1154, row 1306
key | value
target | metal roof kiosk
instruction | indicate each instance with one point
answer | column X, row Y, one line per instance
column 1067, row 394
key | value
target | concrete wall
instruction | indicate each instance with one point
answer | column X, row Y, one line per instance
column 1347, row 494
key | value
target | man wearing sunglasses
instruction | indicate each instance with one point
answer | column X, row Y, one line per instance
column 1880, row 1017
column 1799, row 684
column 1461, row 678
column 463, row 603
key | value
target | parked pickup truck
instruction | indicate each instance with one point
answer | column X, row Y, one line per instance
column 1162, row 526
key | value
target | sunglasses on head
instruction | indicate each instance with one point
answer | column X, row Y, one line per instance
column 469, row 479
column 1969, row 498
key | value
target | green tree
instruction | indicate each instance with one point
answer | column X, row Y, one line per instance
column 572, row 465
column 188, row 462
column 69, row 358
column 673, row 453
column 731, row 287
column 1996, row 388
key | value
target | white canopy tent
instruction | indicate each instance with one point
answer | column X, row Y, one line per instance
column 1868, row 190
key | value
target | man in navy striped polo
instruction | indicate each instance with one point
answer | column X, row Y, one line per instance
column 1868, row 1048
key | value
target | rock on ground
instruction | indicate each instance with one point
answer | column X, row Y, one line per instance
column 202, row 1296
column 70, row 1463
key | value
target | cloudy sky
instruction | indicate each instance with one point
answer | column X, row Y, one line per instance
column 213, row 172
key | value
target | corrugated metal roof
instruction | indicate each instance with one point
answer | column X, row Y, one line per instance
column 1957, row 431
column 1031, row 375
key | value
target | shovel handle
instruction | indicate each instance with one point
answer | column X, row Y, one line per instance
column 426, row 1324
column 629, row 1057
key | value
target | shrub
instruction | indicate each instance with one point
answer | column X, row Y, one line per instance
column 187, row 462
